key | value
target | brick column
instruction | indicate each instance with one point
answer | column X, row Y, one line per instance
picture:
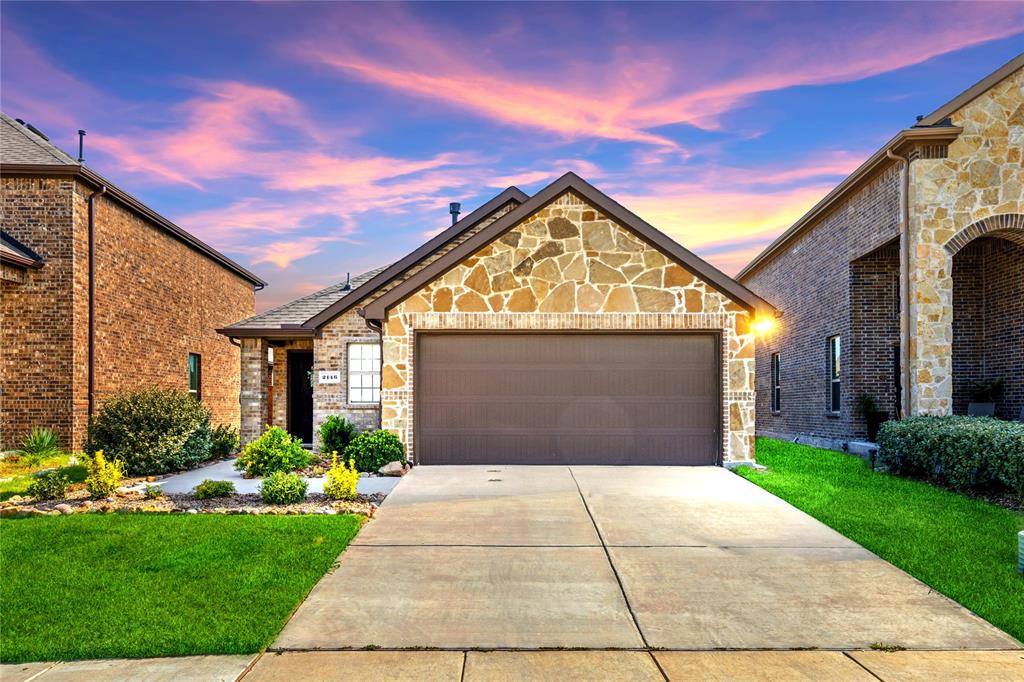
column 255, row 382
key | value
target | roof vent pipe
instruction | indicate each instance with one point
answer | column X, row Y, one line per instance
column 81, row 146
column 455, row 208
column 348, row 281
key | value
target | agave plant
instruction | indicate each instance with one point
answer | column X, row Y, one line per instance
column 39, row 445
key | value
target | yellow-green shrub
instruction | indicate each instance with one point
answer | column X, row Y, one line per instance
column 102, row 477
column 341, row 480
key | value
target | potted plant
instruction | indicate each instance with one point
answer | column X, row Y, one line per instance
column 985, row 394
column 868, row 409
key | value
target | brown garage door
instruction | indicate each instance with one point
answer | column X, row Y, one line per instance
column 580, row 398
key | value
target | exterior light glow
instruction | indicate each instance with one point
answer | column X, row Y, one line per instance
column 764, row 325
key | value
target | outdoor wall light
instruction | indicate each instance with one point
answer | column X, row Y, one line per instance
column 764, row 325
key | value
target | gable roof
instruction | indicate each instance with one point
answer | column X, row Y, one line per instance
column 303, row 316
column 377, row 310
column 932, row 128
column 13, row 251
column 24, row 152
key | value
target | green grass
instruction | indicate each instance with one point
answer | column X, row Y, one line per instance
column 963, row 547
column 21, row 475
column 136, row 585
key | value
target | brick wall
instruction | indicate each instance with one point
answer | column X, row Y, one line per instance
column 157, row 300
column 810, row 282
column 875, row 329
column 36, row 315
column 988, row 322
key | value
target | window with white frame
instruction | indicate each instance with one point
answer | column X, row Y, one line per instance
column 776, row 386
column 364, row 372
column 834, row 374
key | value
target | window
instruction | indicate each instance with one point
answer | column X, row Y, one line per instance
column 833, row 373
column 776, row 388
column 195, row 375
column 364, row 372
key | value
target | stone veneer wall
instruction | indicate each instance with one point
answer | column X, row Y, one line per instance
column 983, row 176
column 570, row 267
column 330, row 348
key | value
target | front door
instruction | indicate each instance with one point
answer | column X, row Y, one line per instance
column 300, row 395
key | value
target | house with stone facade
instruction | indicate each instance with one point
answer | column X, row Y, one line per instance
column 906, row 282
column 100, row 294
column 558, row 328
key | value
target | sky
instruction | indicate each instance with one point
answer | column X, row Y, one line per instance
column 311, row 140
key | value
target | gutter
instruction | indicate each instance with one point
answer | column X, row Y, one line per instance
column 92, row 297
column 904, row 280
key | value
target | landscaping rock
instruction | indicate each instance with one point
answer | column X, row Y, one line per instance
column 64, row 508
column 392, row 469
column 12, row 512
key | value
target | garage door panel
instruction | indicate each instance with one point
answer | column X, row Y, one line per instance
column 629, row 398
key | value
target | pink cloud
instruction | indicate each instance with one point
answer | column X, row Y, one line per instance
column 635, row 90
column 284, row 253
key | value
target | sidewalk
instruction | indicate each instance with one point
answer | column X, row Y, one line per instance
column 836, row 666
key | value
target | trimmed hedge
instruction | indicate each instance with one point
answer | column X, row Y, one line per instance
column 153, row 431
column 371, row 450
column 964, row 453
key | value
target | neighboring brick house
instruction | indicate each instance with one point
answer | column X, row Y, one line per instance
column 558, row 328
column 157, row 296
column 935, row 217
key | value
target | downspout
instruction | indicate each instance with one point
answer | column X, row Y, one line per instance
column 92, row 296
column 904, row 281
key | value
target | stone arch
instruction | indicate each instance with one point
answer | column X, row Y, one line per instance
column 1006, row 225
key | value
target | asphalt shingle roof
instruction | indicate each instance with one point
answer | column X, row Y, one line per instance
column 18, row 144
column 301, row 309
column 9, row 246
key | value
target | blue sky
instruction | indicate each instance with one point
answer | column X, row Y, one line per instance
column 308, row 140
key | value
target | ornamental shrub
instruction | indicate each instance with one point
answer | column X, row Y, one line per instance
column 38, row 445
column 152, row 431
column 102, row 475
column 208, row 489
column 224, row 441
column 153, row 492
column 52, row 485
column 964, row 453
column 274, row 450
column 341, row 480
column 282, row 488
column 335, row 434
column 372, row 450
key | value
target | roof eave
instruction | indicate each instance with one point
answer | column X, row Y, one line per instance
column 377, row 309
column 96, row 180
column 898, row 144
column 973, row 92
column 266, row 332
column 360, row 293
column 21, row 261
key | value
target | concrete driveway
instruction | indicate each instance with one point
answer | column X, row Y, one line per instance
column 510, row 557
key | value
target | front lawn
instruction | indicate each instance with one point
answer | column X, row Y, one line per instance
column 135, row 585
column 963, row 547
column 18, row 476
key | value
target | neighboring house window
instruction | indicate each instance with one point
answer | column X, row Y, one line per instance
column 195, row 375
column 834, row 354
column 364, row 372
column 776, row 387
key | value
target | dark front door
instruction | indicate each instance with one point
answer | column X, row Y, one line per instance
column 577, row 398
column 300, row 395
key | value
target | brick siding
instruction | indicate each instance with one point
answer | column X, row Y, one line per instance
column 812, row 282
column 157, row 300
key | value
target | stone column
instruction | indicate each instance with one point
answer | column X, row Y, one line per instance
column 931, row 310
column 255, row 383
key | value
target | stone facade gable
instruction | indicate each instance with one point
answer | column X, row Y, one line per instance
column 569, row 267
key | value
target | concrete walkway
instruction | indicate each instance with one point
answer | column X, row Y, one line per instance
column 680, row 558
column 225, row 470
column 498, row 666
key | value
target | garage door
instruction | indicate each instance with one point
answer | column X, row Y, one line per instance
column 581, row 398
